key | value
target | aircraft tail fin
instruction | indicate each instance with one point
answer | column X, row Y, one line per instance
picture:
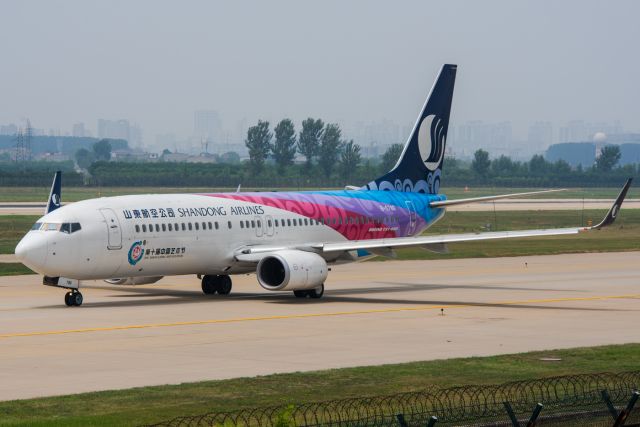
column 419, row 168
column 55, row 194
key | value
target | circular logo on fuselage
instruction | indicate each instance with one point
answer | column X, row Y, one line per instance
column 135, row 253
column 431, row 141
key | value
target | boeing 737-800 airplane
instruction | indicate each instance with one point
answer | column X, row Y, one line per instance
column 287, row 238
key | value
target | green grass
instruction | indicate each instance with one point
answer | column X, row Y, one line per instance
column 73, row 194
column 149, row 404
column 12, row 228
column 13, row 269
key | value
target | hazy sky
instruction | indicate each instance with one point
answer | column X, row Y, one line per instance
column 155, row 62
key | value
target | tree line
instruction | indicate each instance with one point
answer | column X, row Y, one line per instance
column 277, row 169
column 321, row 145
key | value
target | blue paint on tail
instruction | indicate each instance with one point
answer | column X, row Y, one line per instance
column 419, row 168
column 55, row 195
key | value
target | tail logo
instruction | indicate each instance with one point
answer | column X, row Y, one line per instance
column 431, row 139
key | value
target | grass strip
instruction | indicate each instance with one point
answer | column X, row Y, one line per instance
column 149, row 404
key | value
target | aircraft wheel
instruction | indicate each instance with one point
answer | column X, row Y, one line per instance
column 67, row 299
column 301, row 294
column 77, row 298
column 317, row 292
column 224, row 285
column 209, row 284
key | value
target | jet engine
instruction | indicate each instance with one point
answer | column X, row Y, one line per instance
column 291, row 270
column 145, row 280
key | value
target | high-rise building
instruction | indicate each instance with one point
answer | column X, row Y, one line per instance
column 120, row 129
column 9, row 129
column 207, row 125
column 540, row 135
column 78, row 130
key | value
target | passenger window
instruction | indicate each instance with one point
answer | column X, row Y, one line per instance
column 170, row 226
column 306, row 222
column 164, row 227
column 197, row 227
column 259, row 224
column 144, row 228
column 229, row 224
column 269, row 223
column 275, row 222
column 210, row 226
column 289, row 222
column 216, row 225
column 137, row 228
column 204, row 225
column 253, row 224
column 190, row 227
column 157, row 228
column 183, row 227
column 241, row 224
column 177, row 227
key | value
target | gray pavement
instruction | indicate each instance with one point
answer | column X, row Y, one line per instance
column 372, row 313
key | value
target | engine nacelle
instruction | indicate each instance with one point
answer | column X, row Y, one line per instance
column 145, row 280
column 292, row 270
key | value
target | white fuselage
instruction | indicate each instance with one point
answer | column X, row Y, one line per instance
column 174, row 234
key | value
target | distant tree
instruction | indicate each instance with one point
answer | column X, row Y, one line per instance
column 391, row 156
column 102, row 150
column 481, row 163
column 284, row 147
column 230, row 157
column 504, row 166
column 561, row 167
column 608, row 158
column 538, row 165
column 259, row 144
column 309, row 139
column 329, row 151
column 350, row 158
column 84, row 158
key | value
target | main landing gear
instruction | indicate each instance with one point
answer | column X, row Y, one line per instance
column 216, row 284
column 73, row 298
column 314, row 293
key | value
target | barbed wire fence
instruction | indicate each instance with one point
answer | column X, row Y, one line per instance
column 573, row 400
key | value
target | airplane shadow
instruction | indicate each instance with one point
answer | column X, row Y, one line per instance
column 146, row 296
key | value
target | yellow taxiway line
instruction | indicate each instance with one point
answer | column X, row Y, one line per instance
column 310, row 315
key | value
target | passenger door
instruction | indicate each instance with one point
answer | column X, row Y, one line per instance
column 113, row 229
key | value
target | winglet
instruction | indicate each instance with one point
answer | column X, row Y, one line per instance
column 54, row 195
column 613, row 212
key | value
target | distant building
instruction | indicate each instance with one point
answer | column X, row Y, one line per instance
column 79, row 130
column 541, row 134
column 574, row 153
column 207, row 126
column 120, row 129
column 9, row 129
column 585, row 153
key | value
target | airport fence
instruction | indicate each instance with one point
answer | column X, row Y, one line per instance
column 605, row 399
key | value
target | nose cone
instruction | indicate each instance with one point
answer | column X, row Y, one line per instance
column 32, row 252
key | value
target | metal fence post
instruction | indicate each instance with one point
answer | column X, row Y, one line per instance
column 401, row 421
column 432, row 421
column 512, row 415
column 607, row 401
column 534, row 415
column 622, row 417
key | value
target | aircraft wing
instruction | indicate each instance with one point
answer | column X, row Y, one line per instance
column 445, row 203
column 254, row 253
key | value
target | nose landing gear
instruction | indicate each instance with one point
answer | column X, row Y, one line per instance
column 73, row 298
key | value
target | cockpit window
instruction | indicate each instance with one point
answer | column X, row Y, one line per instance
column 70, row 227
column 36, row 226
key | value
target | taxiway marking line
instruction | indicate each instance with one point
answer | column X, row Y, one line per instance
column 310, row 315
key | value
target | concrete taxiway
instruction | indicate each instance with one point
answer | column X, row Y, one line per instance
column 372, row 313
